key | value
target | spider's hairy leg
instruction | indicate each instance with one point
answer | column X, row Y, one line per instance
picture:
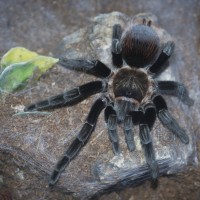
column 128, row 126
column 167, row 51
column 116, row 46
column 93, row 67
column 111, row 121
column 175, row 89
column 133, row 118
column 145, row 126
column 70, row 97
column 80, row 140
column 167, row 120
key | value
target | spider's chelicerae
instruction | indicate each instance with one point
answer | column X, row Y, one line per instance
column 130, row 94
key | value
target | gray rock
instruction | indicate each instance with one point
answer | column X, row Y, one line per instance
column 94, row 42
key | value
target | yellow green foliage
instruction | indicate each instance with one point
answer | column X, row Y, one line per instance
column 19, row 65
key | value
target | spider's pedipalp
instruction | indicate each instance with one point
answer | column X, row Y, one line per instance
column 167, row 51
column 145, row 126
column 111, row 121
column 167, row 120
column 80, row 140
column 175, row 89
column 70, row 97
column 93, row 67
column 128, row 126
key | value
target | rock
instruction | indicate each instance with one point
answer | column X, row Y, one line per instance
column 39, row 141
column 94, row 42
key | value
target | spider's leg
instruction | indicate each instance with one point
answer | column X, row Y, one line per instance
column 167, row 120
column 111, row 121
column 70, row 97
column 93, row 67
column 116, row 46
column 167, row 51
column 128, row 126
column 145, row 126
column 133, row 118
column 175, row 89
column 80, row 140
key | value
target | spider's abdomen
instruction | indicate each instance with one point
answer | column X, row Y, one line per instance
column 140, row 45
column 130, row 83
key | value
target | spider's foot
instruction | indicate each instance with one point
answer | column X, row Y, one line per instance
column 131, row 145
column 187, row 100
column 190, row 102
column 116, row 148
column 154, row 170
column 54, row 178
column 169, row 48
column 31, row 107
column 183, row 95
column 183, row 137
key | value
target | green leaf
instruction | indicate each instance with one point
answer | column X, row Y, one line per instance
column 20, row 65
column 16, row 55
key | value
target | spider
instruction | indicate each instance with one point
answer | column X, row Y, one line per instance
column 130, row 93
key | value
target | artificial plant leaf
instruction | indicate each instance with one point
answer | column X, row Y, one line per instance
column 21, row 67
column 16, row 55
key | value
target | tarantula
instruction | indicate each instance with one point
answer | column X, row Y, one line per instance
column 130, row 94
